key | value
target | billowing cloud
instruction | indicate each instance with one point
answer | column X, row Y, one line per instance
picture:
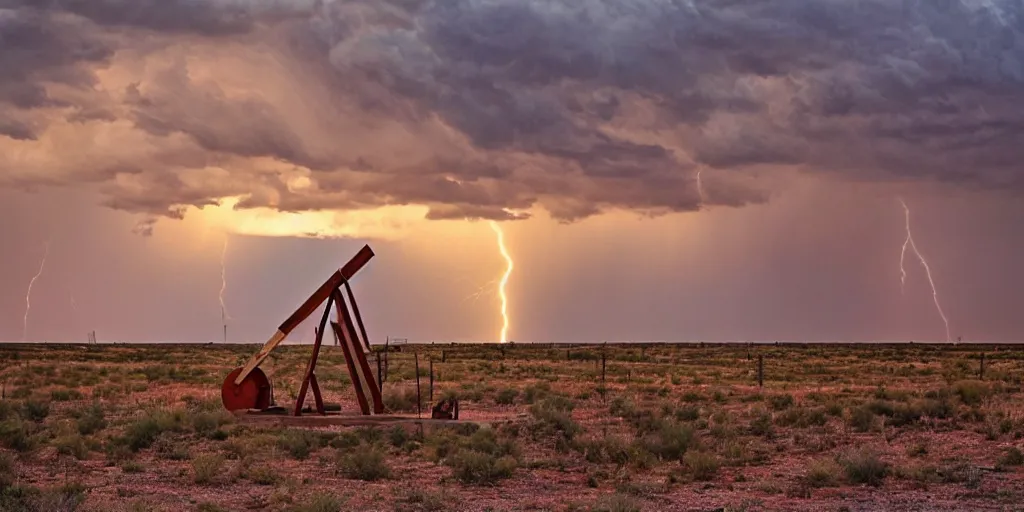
column 491, row 108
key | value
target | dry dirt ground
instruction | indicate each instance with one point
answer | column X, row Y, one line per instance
column 671, row 427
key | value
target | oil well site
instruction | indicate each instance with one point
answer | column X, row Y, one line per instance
column 346, row 424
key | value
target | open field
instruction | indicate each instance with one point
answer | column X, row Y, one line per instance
column 672, row 427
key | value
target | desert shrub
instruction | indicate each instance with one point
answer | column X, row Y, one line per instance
column 962, row 472
column 862, row 419
column 780, row 402
column 15, row 434
column 939, row 408
column 670, row 441
column 822, row 473
column 367, row 463
column 863, row 466
column 206, row 467
column 346, row 439
column 616, row 503
column 487, row 441
column 606, row 449
column 398, row 436
column 971, row 392
column 144, row 431
column 802, row 417
column 207, row 423
column 90, row 419
column 71, row 444
column 553, row 415
column 262, row 475
column 535, row 392
column 7, row 471
column 833, row 408
column 687, row 413
column 8, row 410
column 64, row 395
column 35, row 410
column 1012, row 457
column 703, row 465
column 168, row 446
column 297, row 443
column 473, row 467
column 400, row 400
column 423, row 501
column 761, row 424
column 506, row 396
column 319, row 503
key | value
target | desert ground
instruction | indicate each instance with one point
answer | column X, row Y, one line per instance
column 668, row 427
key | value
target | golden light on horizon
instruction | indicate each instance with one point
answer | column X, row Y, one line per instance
column 504, row 281
column 386, row 222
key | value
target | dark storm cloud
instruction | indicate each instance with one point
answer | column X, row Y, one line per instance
column 492, row 69
column 577, row 106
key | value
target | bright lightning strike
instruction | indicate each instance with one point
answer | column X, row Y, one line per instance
column 28, row 294
column 927, row 269
column 504, row 280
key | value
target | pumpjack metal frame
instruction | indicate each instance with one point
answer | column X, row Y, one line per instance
column 349, row 331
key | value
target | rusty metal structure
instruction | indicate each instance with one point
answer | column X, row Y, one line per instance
column 247, row 388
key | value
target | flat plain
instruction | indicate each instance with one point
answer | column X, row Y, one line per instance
column 546, row 427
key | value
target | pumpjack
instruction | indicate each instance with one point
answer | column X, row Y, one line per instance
column 248, row 388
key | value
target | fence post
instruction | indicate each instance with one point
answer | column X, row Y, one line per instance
column 419, row 408
column 760, row 371
column 431, row 382
column 380, row 375
column 604, row 361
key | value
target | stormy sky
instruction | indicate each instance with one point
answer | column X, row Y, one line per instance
column 663, row 170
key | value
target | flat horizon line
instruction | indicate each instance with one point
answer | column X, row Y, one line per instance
column 513, row 342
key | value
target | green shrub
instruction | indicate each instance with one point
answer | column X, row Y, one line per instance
column 671, row 440
column 206, row 467
column 15, row 434
column 7, row 471
column 862, row 419
column 90, row 419
column 319, row 503
column 780, row 402
column 71, row 444
column 761, row 424
column 822, row 473
column 616, row 503
column 553, row 415
column 143, row 432
column 297, row 443
column 1012, row 457
column 473, row 467
column 365, row 463
column 35, row 410
column 863, row 466
column 262, row 475
column 703, row 465
column 972, row 392
column 506, row 396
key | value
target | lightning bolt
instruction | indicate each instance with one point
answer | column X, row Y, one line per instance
column 924, row 263
column 504, row 280
column 224, row 286
column 28, row 294
column 700, row 188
